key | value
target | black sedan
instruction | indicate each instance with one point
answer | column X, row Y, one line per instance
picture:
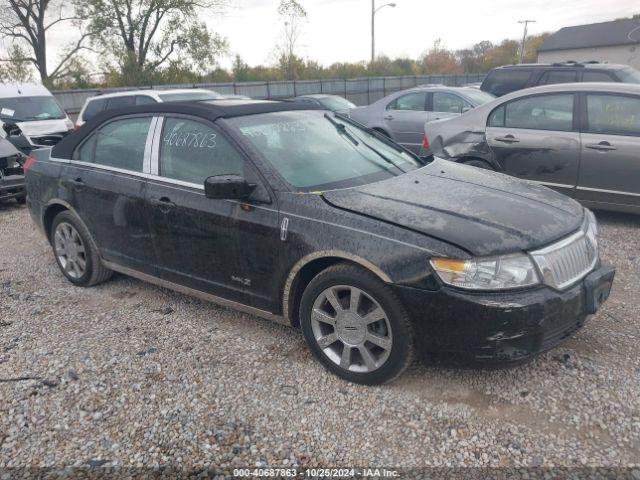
column 304, row 217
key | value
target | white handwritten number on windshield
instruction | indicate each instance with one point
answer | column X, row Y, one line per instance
column 190, row 140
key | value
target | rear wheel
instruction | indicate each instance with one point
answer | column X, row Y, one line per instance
column 75, row 253
column 21, row 200
column 356, row 326
column 478, row 164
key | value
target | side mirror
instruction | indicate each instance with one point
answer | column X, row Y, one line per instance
column 465, row 109
column 11, row 129
column 227, row 187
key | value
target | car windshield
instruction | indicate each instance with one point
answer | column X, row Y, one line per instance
column 629, row 75
column 189, row 96
column 20, row 109
column 318, row 151
column 478, row 97
column 336, row 103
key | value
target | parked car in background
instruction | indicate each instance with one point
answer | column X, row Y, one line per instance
column 334, row 103
column 304, row 217
column 32, row 115
column 109, row 101
column 401, row 115
column 510, row 78
column 580, row 139
column 12, row 183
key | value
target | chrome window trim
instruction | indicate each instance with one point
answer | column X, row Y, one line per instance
column 550, row 184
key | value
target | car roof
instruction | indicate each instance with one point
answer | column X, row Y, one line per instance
column 318, row 96
column 208, row 109
column 127, row 93
column 604, row 87
column 595, row 65
column 11, row 89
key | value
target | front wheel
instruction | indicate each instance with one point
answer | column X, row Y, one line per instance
column 356, row 326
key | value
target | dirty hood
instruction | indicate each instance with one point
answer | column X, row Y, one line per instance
column 483, row 212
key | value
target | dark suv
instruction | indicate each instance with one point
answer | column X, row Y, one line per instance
column 509, row 78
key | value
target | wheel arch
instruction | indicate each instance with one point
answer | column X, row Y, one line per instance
column 311, row 265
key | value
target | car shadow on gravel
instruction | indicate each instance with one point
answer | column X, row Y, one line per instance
column 617, row 218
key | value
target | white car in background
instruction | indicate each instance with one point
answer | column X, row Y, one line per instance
column 109, row 101
column 35, row 112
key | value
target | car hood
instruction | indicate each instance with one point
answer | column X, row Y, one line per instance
column 44, row 127
column 482, row 212
column 7, row 149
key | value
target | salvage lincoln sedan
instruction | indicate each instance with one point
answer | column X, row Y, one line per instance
column 305, row 217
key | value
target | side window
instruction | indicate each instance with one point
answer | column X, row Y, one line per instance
column 192, row 151
column 121, row 144
column 411, row 101
column 94, row 107
column 447, row 102
column 597, row 77
column 558, row 76
column 613, row 114
column 501, row 82
column 144, row 100
column 121, row 102
column 541, row 112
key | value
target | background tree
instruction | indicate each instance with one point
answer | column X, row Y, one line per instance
column 293, row 16
column 145, row 36
column 16, row 67
column 27, row 24
column 440, row 60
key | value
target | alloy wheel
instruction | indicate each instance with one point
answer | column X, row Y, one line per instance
column 70, row 250
column 351, row 329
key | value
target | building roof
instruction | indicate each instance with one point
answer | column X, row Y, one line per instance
column 606, row 34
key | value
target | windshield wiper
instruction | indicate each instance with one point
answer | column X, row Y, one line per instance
column 383, row 138
column 342, row 130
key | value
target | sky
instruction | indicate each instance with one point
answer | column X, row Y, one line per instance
column 340, row 30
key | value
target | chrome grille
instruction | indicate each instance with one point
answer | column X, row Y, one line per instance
column 570, row 260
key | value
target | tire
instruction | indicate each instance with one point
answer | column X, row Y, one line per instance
column 21, row 200
column 388, row 357
column 479, row 164
column 69, row 235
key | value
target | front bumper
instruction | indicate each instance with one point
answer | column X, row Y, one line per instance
column 12, row 186
column 503, row 327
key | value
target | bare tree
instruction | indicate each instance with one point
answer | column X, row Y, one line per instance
column 293, row 15
column 28, row 23
column 147, row 34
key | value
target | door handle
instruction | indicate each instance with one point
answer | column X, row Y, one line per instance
column 77, row 183
column 164, row 204
column 389, row 117
column 507, row 139
column 601, row 147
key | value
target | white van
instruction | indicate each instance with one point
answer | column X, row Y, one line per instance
column 36, row 113
column 109, row 101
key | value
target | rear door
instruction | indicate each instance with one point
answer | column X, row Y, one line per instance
column 610, row 165
column 405, row 118
column 105, row 184
column 536, row 138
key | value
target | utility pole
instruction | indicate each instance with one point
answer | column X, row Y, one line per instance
column 375, row 10
column 524, row 37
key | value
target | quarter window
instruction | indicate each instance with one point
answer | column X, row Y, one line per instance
column 121, row 102
column 94, row 107
column 613, row 114
column 541, row 112
column 412, row 101
column 118, row 144
column 192, row 151
column 448, row 103
column 596, row 77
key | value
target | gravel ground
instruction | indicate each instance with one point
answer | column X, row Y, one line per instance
column 128, row 374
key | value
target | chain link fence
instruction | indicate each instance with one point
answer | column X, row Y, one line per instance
column 361, row 91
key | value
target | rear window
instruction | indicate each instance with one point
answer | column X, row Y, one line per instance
column 503, row 81
column 629, row 75
column 94, row 107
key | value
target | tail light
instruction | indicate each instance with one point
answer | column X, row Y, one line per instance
column 28, row 163
column 425, row 141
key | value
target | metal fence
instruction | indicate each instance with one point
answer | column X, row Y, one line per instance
column 361, row 91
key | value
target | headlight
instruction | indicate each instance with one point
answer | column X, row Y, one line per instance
column 592, row 228
column 492, row 273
